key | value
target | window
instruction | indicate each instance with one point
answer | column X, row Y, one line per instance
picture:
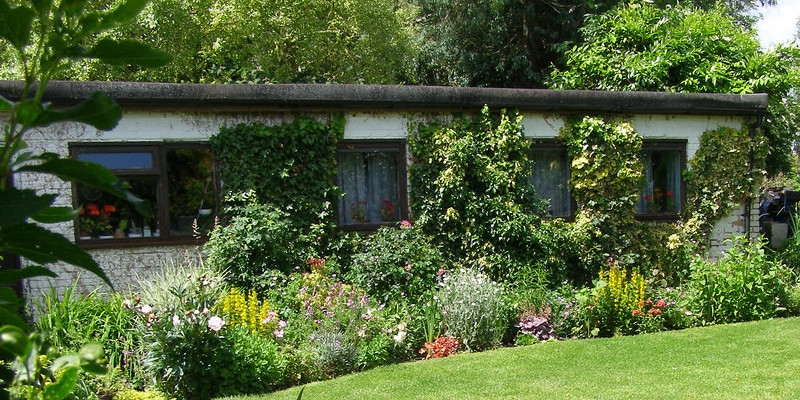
column 372, row 175
column 662, row 193
column 550, row 177
column 178, row 180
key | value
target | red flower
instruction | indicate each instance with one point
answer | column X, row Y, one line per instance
column 91, row 207
column 648, row 198
column 108, row 209
column 636, row 312
column 660, row 303
column 81, row 212
column 669, row 193
column 93, row 211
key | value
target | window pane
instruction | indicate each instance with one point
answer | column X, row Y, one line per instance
column 661, row 191
column 106, row 217
column 120, row 160
column 549, row 177
column 191, row 190
column 369, row 181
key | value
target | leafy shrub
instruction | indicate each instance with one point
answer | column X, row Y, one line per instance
column 375, row 352
column 744, row 284
column 181, row 333
column 290, row 165
column 473, row 309
column 395, row 263
column 170, row 284
column 257, row 366
column 255, row 239
column 470, row 189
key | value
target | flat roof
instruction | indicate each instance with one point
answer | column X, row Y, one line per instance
column 398, row 98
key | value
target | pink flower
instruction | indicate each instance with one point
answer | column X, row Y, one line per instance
column 278, row 333
column 215, row 323
column 282, row 324
column 440, row 272
column 660, row 303
column 404, row 224
column 636, row 312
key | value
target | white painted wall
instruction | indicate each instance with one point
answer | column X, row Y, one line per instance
column 125, row 266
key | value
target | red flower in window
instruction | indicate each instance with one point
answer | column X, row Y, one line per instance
column 669, row 193
column 648, row 198
column 108, row 209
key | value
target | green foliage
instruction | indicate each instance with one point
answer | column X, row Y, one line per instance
column 470, row 190
column 618, row 295
column 43, row 37
column 180, row 333
column 473, row 309
column 71, row 321
column 744, row 284
column 685, row 49
column 720, row 177
column 291, row 166
column 394, row 263
column 606, row 170
column 255, row 239
column 257, row 365
column 36, row 376
column 497, row 43
column 248, row 41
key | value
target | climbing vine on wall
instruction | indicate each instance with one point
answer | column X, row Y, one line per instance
column 726, row 169
column 291, row 165
column 470, row 189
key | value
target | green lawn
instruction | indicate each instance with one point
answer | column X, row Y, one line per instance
column 758, row 360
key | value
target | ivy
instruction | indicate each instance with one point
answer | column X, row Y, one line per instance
column 606, row 170
column 725, row 171
column 470, row 190
column 291, row 166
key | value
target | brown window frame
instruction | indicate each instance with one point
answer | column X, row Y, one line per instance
column 667, row 145
column 159, row 172
column 397, row 146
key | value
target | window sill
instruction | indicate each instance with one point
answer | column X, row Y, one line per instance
column 122, row 243
column 659, row 217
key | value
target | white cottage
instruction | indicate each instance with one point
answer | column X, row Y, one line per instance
column 160, row 146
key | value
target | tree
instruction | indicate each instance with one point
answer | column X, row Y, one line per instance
column 45, row 35
column 503, row 43
column 685, row 49
column 257, row 41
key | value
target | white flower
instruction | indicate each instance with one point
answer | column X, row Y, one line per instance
column 401, row 327
column 126, row 303
column 400, row 336
column 176, row 321
column 215, row 323
column 145, row 309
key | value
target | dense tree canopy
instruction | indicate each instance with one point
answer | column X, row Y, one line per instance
column 684, row 49
column 253, row 41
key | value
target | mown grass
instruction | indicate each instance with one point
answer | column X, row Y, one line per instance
column 756, row 360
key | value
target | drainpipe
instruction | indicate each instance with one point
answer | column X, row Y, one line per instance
column 748, row 201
